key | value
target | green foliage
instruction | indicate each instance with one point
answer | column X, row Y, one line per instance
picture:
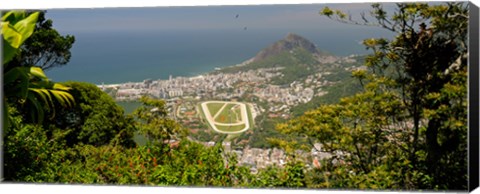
column 346, row 86
column 298, row 63
column 16, row 28
column 27, row 148
column 26, row 87
column 95, row 119
column 334, row 176
column 32, row 155
column 407, row 128
column 31, row 89
column 326, row 12
column 187, row 165
column 357, row 130
column 291, row 176
column 154, row 123
column 434, row 58
column 45, row 48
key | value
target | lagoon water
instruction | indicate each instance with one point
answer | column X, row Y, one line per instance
column 124, row 53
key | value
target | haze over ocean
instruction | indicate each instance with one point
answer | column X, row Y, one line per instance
column 117, row 45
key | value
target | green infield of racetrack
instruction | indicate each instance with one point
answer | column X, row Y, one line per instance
column 231, row 128
column 227, row 114
column 214, row 107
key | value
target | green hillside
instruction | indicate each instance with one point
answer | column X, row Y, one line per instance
column 295, row 54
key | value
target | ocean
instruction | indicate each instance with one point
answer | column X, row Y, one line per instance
column 131, row 45
column 136, row 56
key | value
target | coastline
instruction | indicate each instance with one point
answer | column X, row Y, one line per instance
column 192, row 76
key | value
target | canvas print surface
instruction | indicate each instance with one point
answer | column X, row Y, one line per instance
column 309, row 96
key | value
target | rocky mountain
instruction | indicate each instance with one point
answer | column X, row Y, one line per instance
column 294, row 55
column 289, row 43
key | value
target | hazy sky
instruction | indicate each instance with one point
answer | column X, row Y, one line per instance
column 200, row 18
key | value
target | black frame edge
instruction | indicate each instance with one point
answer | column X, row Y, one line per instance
column 473, row 94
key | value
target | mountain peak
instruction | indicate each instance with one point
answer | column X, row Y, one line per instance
column 290, row 42
column 292, row 37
